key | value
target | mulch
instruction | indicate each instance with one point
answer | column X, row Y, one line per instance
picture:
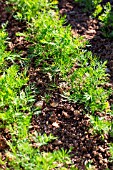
column 65, row 120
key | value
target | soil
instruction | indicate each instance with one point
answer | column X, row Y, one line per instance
column 65, row 120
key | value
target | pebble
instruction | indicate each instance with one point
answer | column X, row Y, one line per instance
column 39, row 104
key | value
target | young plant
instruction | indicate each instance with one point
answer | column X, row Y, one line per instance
column 100, row 125
column 89, row 4
column 26, row 157
column 86, row 84
column 111, row 152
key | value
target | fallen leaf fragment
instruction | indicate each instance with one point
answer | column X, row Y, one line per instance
column 65, row 114
column 58, row 142
column 39, row 104
column 52, row 118
column 101, row 149
column 10, row 156
column 55, row 124
column 3, row 143
column 54, row 104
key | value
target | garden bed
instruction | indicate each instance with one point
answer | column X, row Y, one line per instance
column 53, row 113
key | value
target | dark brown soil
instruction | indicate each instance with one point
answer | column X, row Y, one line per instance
column 71, row 126
column 65, row 120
